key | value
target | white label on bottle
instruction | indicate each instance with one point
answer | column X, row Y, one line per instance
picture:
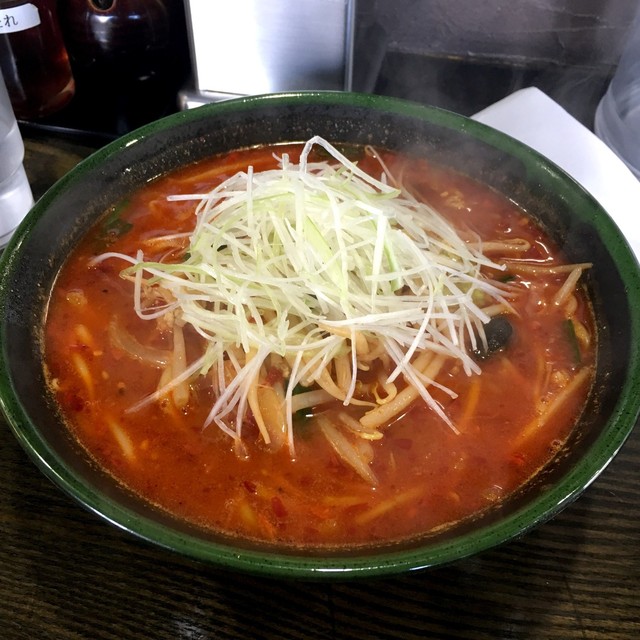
column 19, row 18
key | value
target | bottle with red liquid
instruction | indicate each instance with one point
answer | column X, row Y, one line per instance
column 33, row 58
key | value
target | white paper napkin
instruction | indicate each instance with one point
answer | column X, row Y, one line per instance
column 529, row 115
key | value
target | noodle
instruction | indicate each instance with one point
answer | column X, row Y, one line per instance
column 385, row 413
column 554, row 406
column 568, row 287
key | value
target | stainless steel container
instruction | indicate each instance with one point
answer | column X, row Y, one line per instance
column 248, row 47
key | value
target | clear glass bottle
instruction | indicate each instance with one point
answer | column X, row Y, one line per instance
column 33, row 58
column 617, row 118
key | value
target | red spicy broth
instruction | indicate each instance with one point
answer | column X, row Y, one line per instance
column 510, row 419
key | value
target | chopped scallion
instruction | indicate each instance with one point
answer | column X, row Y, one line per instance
column 279, row 256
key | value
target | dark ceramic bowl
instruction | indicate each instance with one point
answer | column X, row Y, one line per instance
column 61, row 217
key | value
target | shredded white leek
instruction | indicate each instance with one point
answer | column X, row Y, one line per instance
column 280, row 257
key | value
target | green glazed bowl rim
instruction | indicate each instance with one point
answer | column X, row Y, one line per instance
column 373, row 563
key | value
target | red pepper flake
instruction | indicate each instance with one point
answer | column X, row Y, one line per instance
column 519, row 459
column 82, row 348
column 278, row 508
column 250, row 486
column 73, row 401
column 274, row 375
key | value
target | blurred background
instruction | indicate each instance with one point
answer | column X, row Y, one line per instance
column 134, row 61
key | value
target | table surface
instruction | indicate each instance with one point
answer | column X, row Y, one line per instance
column 65, row 573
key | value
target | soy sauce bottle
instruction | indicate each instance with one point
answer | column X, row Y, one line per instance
column 33, row 58
column 129, row 59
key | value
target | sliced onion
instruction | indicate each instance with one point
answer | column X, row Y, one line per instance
column 124, row 341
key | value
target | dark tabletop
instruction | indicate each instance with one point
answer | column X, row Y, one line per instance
column 65, row 573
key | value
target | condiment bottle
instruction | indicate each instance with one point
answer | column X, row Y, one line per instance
column 129, row 58
column 33, row 58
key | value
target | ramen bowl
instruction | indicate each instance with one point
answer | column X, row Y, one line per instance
column 585, row 232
